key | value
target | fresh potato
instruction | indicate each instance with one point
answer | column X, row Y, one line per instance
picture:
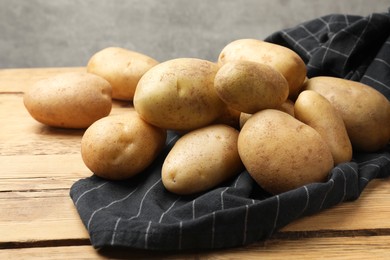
column 179, row 94
column 316, row 111
column 282, row 153
column 365, row 111
column 284, row 60
column 121, row 146
column 202, row 159
column 122, row 68
column 230, row 117
column 249, row 86
column 69, row 100
column 287, row 107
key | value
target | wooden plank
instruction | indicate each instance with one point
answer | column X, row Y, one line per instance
column 316, row 248
column 18, row 80
column 51, row 215
column 370, row 211
column 39, row 216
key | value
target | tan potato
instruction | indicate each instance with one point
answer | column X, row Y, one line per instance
column 249, row 86
column 282, row 153
column 365, row 111
column 287, row 107
column 179, row 94
column 69, row 100
column 230, row 117
column 316, row 111
column 121, row 146
column 202, row 159
column 284, row 60
column 122, row 68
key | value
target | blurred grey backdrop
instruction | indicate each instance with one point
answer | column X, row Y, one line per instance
column 58, row 33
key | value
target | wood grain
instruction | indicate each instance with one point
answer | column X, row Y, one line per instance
column 313, row 248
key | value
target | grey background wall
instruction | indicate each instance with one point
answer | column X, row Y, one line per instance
column 43, row 33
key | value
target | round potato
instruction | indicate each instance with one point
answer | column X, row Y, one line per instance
column 121, row 146
column 69, row 100
column 287, row 107
column 202, row 159
column 284, row 60
column 179, row 94
column 316, row 111
column 282, row 153
column 249, row 86
column 365, row 111
column 122, row 68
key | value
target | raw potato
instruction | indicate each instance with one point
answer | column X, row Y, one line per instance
column 69, row 100
column 230, row 117
column 179, row 94
column 202, row 159
column 284, row 60
column 249, row 86
column 282, row 153
column 316, row 111
column 121, row 146
column 365, row 111
column 122, row 68
column 287, row 107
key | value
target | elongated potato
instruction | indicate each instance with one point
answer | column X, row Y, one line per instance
column 179, row 94
column 282, row 153
column 316, row 111
column 365, row 111
column 249, row 86
column 69, row 100
column 202, row 159
column 284, row 60
column 122, row 68
column 121, row 146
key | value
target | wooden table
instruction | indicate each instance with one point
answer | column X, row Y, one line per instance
column 38, row 165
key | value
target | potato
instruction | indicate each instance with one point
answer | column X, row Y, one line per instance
column 282, row 153
column 287, row 107
column 316, row 111
column 69, row 100
column 122, row 68
column 179, row 94
column 121, row 146
column 249, row 86
column 202, row 159
column 284, row 60
column 230, row 117
column 365, row 111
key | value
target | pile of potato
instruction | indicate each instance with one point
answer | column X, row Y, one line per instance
column 253, row 109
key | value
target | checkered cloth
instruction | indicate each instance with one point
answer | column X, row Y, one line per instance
column 140, row 213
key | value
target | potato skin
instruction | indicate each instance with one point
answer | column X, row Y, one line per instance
column 121, row 146
column 249, row 86
column 282, row 153
column 316, row 111
column 287, row 107
column 284, row 60
column 365, row 111
column 179, row 94
column 202, row 159
column 121, row 67
column 69, row 100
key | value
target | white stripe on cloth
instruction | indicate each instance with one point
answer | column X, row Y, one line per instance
column 107, row 206
column 326, row 194
column 87, row 191
column 139, row 210
column 170, row 207
column 376, row 81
